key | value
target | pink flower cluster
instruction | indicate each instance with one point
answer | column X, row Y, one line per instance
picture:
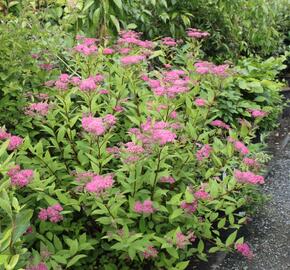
column 14, row 141
column 133, row 38
column 248, row 177
column 132, row 59
column 51, row 213
column 258, row 113
column 40, row 108
column 251, row 162
column 171, row 84
column 133, row 152
column 89, row 84
column 108, row 51
column 150, row 252
column 239, row 146
column 196, row 33
column 98, row 125
column 87, row 46
column 169, row 41
column 20, row 178
column 221, row 124
column 189, row 208
column 204, row 67
column 201, row 194
column 199, row 102
column 245, row 250
column 181, row 240
column 204, row 152
column 154, row 132
column 144, row 208
column 40, row 266
column 100, row 183
column 167, row 179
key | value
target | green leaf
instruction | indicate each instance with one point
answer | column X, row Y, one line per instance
column 200, row 246
column 222, row 223
column 22, row 222
column 173, row 252
column 75, row 259
column 6, row 207
column 182, row 265
column 118, row 4
column 231, row 239
column 115, row 22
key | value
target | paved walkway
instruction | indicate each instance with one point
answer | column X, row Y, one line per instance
column 269, row 232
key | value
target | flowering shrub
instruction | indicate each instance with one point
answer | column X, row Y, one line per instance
column 134, row 167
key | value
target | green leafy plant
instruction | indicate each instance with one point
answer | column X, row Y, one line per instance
column 131, row 165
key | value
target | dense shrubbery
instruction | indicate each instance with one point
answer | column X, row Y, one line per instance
column 141, row 158
column 240, row 27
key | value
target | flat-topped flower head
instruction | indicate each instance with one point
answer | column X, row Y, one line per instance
column 14, row 142
column 20, row 178
column 221, row 124
column 248, row 177
column 132, row 59
column 196, row 33
column 144, row 208
column 100, row 183
column 40, row 108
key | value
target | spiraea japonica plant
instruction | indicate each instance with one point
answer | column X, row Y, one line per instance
column 132, row 166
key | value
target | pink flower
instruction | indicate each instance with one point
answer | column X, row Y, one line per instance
column 64, row 78
column 204, row 152
column 132, row 59
column 88, row 84
column 181, row 240
column 204, row 67
column 51, row 213
column 173, row 114
column 240, row 147
column 42, row 215
column 219, row 123
column 108, row 51
column 104, row 92
column 20, row 178
column 14, row 143
column 167, row 179
column 258, row 113
column 100, row 183
column 75, row 80
column 110, row 119
column 245, row 250
column 131, row 147
column 40, row 108
column 196, row 33
column 124, row 50
column 150, row 252
column 154, row 132
column 248, row 177
column 171, row 83
column 61, row 85
column 189, row 208
column 201, row 194
column 168, row 41
column 40, row 266
column 146, row 207
column 4, row 135
column 138, row 207
column 200, row 102
column 93, row 125
column 251, row 162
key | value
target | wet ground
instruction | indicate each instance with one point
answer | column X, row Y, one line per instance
column 269, row 232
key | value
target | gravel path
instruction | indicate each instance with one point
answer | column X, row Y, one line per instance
column 269, row 232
